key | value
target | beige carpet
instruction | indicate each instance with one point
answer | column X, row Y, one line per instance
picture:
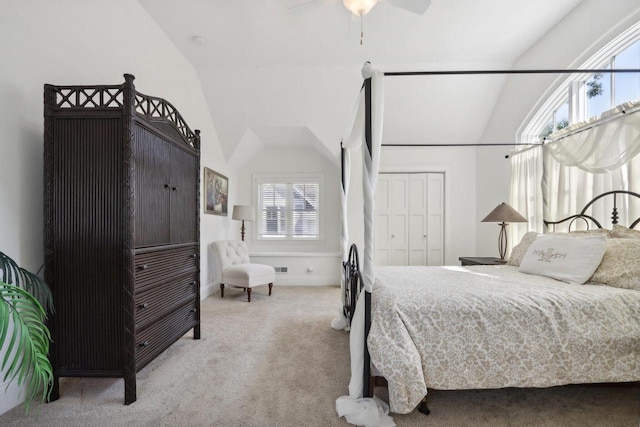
column 277, row 362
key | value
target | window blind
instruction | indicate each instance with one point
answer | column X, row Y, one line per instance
column 289, row 210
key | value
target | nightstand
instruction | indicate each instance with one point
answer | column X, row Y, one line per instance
column 470, row 260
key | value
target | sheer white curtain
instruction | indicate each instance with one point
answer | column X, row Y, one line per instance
column 602, row 144
column 526, row 191
column 370, row 412
column 580, row 162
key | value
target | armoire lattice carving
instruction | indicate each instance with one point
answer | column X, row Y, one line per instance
column 121, row 232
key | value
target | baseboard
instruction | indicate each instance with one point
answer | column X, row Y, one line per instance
column 10, row 397
column 286, row 279
column 207, row 290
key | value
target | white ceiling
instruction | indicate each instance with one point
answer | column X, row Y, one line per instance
column 268, row 64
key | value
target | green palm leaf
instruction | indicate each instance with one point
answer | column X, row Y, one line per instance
column 13, row 274
column 26, row 344
column 25, row 358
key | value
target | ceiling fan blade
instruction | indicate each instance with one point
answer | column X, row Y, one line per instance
column 416, row 6
column 302, row 4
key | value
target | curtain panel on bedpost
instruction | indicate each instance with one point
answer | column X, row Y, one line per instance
column 341, row 322
column 370, row 412
column 352, row 140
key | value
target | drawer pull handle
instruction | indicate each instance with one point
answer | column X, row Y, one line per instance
column 194, row 255
column 143, row 305
column 143, row 267
column 193, row 310
column 144, row 344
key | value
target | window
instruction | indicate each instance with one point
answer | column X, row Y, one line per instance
column 582, row 97
column 289, row 209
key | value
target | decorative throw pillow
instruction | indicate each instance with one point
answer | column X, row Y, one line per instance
column 582, row 233
column 518, row 251
column 569, row 259
column 624, row 233
column 620, row 266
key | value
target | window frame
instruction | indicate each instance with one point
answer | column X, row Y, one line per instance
column 288, row 179
column 573, row 90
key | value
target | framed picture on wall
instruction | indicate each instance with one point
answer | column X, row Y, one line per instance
column 216, row 192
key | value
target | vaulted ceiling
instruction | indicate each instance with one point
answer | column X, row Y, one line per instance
column 279, row 72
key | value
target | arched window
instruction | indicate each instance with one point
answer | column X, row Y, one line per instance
column 541, row 187
column 583, row 96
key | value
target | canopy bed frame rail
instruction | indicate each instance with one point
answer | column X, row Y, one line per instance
column 551, row 225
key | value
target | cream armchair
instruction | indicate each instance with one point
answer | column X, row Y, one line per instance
column 234, row 268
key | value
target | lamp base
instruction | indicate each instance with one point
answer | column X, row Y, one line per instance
column 502, row 240
column 242, row 230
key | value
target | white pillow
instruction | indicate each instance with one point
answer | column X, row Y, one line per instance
column 569, row 259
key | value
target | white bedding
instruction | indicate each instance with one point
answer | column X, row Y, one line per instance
column 492, row 327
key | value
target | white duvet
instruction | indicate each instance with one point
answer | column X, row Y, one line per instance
column 492, row 327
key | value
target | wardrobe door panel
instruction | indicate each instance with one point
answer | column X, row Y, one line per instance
column 184, row 196
column 152, row 188
column 84, row 270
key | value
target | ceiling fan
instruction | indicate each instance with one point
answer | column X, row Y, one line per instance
column 362, row 7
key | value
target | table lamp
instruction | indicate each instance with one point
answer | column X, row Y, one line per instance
column 243, row 213
column 503, row 214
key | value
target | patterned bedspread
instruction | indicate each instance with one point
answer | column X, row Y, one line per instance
column 492, row 327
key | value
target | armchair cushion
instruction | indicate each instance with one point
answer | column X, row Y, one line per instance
column 248, row 275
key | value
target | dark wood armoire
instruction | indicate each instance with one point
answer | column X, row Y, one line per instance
column 121, row 232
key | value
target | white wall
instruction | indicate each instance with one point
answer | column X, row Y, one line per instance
column 80, row 42
column 322, row 256
column 591, row 25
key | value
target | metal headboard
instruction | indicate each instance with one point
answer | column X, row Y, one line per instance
column 586, row 218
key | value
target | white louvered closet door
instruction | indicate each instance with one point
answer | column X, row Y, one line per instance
column 409, row 223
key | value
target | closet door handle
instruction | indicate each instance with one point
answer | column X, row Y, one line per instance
column 174, row 188
column 166, row 186
column 143, row 267
column 144, row 344
column 143, row 305
column 194, row 255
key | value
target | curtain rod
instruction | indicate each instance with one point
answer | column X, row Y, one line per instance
column 551, row 71
column 458, row 145
column 590, row 126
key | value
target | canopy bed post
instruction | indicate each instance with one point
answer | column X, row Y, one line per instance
column 367, row 389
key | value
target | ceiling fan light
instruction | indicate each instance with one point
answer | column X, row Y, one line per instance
column 359, row 7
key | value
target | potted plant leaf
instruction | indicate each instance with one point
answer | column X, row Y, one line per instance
column 25, row 300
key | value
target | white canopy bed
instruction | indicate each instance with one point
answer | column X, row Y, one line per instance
column 455, row 328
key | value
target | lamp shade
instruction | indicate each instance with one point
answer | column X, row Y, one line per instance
column 244, row 213
column 503, row 213
column 359, row 7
